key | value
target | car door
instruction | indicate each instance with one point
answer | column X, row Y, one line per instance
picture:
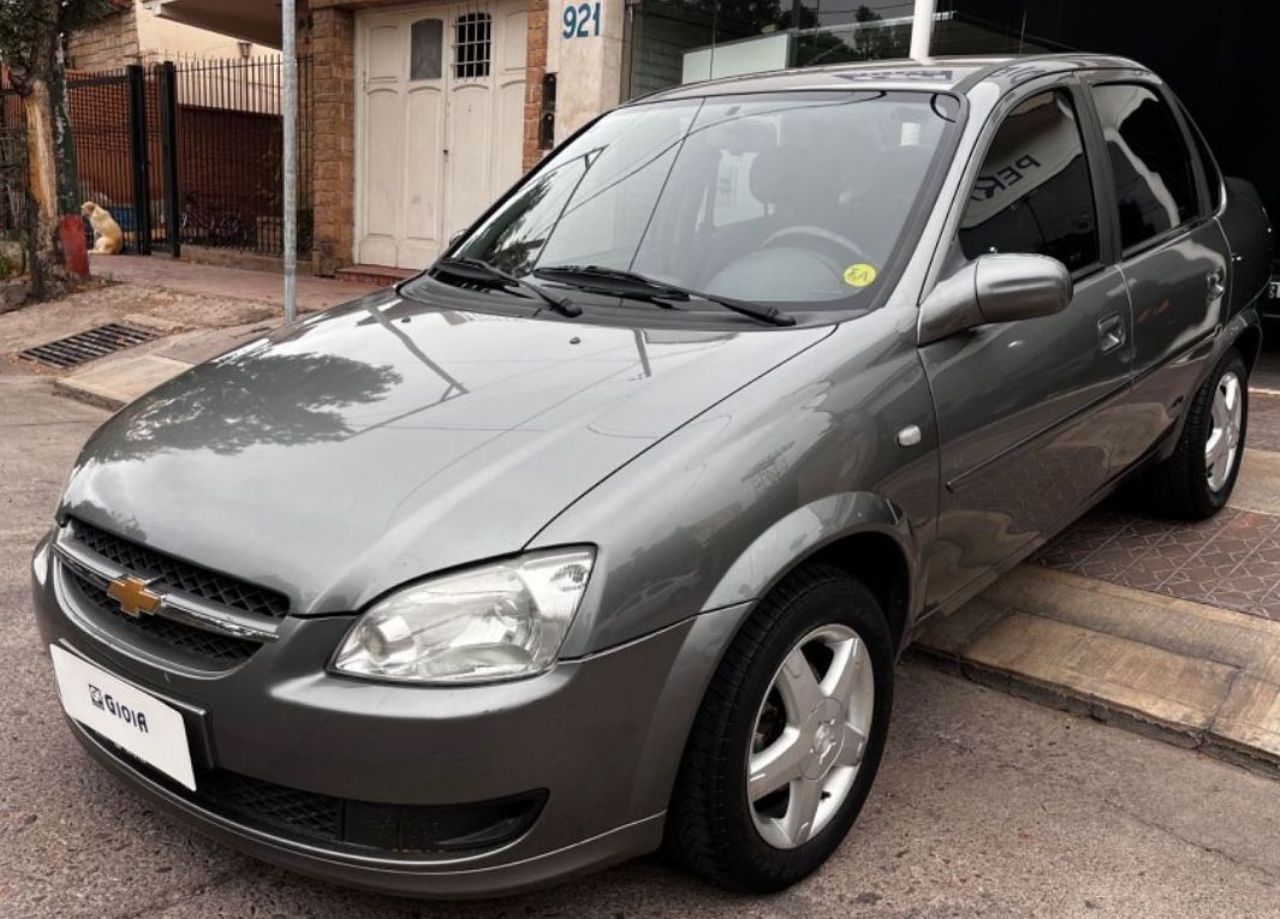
column 1027, row 411
column 1174, row 255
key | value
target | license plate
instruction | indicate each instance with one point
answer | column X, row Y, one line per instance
column 137, row 721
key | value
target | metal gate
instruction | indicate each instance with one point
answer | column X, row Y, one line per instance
column 188, row 153
column 231, row 154
column 124, row 127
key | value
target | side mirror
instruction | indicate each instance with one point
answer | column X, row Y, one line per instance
column 995, row 288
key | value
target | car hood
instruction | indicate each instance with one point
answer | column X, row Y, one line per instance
column 340, row 457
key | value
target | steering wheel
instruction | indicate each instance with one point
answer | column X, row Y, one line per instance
column 828, row 243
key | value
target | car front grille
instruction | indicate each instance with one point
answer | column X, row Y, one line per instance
column 343, row 823
column 274, row 805
column 206, row 646
column 175, row 574
column 102, row 556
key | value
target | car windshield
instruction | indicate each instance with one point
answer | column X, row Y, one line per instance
column 795, row 199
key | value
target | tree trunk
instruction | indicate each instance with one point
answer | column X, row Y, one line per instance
column 48, row 278
column 34, row 82
column 64, row 143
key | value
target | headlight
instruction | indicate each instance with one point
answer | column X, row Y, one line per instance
column 495, row 622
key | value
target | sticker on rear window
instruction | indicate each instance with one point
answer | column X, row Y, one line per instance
column 860, row 275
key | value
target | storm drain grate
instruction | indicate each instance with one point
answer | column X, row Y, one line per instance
column 88, row 346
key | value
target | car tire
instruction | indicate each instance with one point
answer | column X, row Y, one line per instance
column 1185, row 485
column 713, row 827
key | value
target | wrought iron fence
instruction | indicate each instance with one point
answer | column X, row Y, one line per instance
column 187, row 153
column 13, row 163
column 231, row 138
column 105, row 132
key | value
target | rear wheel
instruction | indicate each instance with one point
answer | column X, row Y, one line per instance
column 788, row 740
column 1196, row 481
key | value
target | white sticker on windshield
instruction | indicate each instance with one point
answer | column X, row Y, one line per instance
column 910, row 134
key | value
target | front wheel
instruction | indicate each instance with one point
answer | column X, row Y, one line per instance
column 1196, row 481
column 787, row 743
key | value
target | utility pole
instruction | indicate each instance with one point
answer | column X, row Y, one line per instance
column 922, row 29
column 289, row 110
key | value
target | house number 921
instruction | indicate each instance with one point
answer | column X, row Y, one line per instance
column 581, row 20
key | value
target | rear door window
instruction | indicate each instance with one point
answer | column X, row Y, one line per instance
column 1150, row 163
column 1212, row 176
column 1033, row 193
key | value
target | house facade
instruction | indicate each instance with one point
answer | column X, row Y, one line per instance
column 424, row 113
column 134, row 32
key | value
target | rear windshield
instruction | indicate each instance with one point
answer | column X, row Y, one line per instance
column 798, row 200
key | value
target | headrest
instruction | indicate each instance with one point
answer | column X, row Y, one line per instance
column 773, row 175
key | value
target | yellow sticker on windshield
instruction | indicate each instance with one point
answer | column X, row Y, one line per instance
column 860, row 275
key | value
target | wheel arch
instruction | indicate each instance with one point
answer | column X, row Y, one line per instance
column 866, row 534
column 1243, row 333
column 1249, row 344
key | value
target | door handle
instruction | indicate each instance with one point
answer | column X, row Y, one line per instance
column 1111, row 333
column 1217, row 287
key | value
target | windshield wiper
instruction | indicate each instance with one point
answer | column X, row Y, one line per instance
column 474, row 269
column 632, row 286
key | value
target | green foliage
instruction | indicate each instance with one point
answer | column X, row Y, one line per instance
column 25, row 23
column 79, row 14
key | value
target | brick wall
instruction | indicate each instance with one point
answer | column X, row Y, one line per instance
column 332, row 44
column 109, row 45
column 535, row 70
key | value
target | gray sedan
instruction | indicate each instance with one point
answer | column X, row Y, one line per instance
column 604, row 533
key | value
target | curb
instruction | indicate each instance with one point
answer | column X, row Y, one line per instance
column 97, row 400
column 1203, row 679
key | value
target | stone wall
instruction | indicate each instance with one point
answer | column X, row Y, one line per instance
column 109, row 45
column 133, row 34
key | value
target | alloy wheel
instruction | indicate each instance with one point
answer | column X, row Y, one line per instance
column 810, row 736
column 1223, row 443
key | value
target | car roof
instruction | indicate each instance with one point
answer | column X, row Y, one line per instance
column 940, row 74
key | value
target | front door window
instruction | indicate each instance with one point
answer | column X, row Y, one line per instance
column 1033, row 193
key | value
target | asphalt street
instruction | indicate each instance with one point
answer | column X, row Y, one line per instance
column 986, row 805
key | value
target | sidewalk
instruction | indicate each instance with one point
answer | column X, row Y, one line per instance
column 199, row 310
column 193, row 278
column 1167, row 628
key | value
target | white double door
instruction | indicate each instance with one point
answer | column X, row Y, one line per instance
column 440, row 123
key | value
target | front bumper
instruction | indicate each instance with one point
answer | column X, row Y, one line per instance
column 601, row 736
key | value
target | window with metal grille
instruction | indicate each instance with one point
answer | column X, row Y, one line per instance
column 472, row 33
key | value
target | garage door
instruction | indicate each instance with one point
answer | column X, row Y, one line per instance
column 439, row 123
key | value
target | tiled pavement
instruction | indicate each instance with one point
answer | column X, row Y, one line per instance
column 1231, row 561
column 1264, row 421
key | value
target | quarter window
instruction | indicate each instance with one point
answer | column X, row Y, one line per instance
column 1033, row 193
column 472, row 41
column 1212, row 177
column 1150, row 164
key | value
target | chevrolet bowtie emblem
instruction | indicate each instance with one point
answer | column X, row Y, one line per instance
column 133, row 596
